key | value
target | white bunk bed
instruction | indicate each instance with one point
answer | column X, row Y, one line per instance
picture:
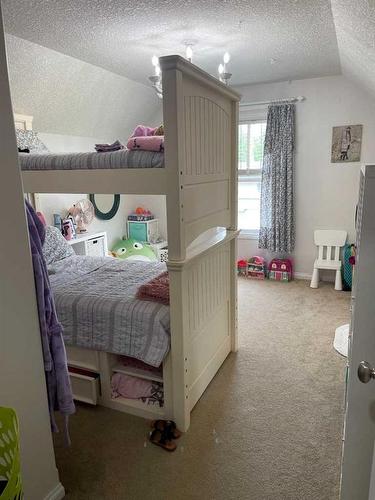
column 199, row 180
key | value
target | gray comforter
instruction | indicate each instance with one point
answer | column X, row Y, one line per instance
column 96, row 304
column 90, row 161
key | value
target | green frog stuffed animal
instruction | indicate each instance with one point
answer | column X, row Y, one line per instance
column 134, row 250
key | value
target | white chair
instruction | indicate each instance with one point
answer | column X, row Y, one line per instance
column 328, row 241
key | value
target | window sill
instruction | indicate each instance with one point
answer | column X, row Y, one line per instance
column 247, row 234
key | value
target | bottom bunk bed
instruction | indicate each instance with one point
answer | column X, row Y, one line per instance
column 179, row 348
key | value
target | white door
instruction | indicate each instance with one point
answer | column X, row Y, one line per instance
column 358, row 476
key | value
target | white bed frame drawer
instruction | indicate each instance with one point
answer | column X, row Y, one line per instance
column 83, row 358
column 85, row 388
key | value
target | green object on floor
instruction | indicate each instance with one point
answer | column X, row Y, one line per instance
column 347, row 268
column 10, row 467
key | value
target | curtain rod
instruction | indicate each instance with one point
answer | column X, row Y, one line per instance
column 299, row 98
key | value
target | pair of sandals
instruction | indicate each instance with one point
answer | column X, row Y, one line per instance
column 164, row 433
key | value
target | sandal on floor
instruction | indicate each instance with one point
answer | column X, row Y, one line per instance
column 161, row 438
column 168, row 426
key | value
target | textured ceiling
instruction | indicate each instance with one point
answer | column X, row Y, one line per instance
column 269, row 40
column 355, row 29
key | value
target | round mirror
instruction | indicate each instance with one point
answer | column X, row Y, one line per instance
column 105, row 205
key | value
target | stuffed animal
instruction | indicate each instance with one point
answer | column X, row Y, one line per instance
column 134, row 250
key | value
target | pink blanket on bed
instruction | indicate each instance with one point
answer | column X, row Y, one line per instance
column 147, row 143
column 156, row 290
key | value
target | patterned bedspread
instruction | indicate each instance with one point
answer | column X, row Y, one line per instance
column 123, row 158
column 95, row 302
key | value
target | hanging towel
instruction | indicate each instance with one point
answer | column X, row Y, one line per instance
column 59, row 390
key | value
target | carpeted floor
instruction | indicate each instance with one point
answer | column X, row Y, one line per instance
column 268, row 426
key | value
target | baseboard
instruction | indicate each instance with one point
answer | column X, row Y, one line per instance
column 58, row 493
column 302, row 276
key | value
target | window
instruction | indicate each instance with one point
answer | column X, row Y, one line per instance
column 250, row 158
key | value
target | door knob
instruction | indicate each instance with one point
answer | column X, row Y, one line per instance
column 365, row 372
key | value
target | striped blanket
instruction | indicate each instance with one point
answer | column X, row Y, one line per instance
column 96, row 304
column 89, row 161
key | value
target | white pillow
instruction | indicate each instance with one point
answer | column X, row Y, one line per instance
column 28, row 139
column 55, row 246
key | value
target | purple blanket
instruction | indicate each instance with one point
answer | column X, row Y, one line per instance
column 59, row 391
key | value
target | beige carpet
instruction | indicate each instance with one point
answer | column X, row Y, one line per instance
column 267, row 428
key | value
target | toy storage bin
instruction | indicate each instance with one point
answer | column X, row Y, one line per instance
column 143, row 230
column 10, row 468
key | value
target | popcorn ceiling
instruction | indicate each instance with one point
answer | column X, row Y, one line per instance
column 69, row 97
column 121, row 36
column 355, row 29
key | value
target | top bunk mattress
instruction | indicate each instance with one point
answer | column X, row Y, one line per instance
column 123, row 158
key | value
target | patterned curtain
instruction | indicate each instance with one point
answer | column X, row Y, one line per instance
column 277, row 192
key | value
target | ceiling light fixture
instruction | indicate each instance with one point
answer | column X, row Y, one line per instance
column 224, row 75
column 156, row 78
column 189, row 52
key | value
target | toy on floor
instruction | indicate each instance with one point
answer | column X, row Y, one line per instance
column 134, row 250
column 347, row 266
column 257, row 268
column 280, row 270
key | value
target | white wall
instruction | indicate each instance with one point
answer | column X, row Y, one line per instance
column 22, row 379
column 69, row 97
column 326, row 193
column 68, row 143
column 116, row 227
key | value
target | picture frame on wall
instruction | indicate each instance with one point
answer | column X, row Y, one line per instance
column 346, row 143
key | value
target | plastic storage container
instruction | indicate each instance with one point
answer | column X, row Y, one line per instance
column 143, row 230
column 10, row 470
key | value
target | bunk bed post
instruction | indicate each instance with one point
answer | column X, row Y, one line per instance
column 179, row 354
column 173, row 116
column 200, row 119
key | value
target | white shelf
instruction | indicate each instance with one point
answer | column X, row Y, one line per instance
column 137, row 372
column 86, row 236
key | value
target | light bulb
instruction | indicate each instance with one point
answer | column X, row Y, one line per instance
column 221, row 69
column 155, row 61
column 157, row 70
column 226, row 58
column 189, row 53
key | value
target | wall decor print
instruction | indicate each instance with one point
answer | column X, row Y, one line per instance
column 346, row 143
